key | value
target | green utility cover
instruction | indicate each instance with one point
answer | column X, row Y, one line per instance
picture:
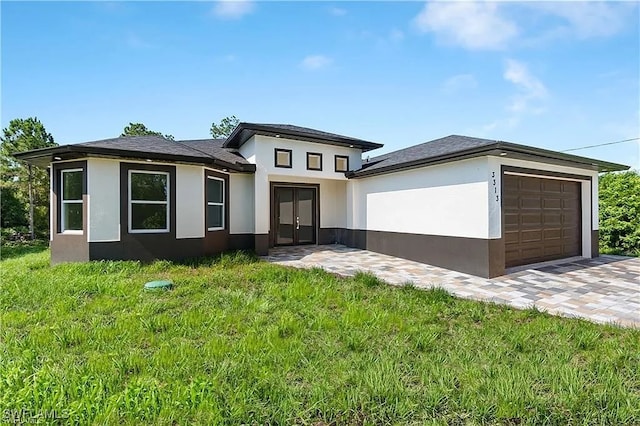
column 161, row 285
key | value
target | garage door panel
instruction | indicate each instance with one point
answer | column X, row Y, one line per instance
column 530, row 219
column 541, row 219
column 552, row 234
column 534, row 203
column 552, row 203
column 551, row 185
column 552, row 219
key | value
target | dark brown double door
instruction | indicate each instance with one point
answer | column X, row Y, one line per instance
column 542, row 219
column 295, row 216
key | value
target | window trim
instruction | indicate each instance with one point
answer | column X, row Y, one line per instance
column 319, row 154
column 335, row 163
column 275, row 158
column 130, row 202
column 211, row 203
column 63, row 202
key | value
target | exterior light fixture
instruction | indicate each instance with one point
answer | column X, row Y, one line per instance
column 57, row 158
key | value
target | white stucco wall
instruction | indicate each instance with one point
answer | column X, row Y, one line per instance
column 189, row 201
column 103, row 209
column 448, row 199
column 260, row 150
column 241, row 204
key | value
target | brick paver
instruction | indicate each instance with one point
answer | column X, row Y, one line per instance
column 605, row 289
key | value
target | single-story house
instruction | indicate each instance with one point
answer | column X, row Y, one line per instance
column 472, row 205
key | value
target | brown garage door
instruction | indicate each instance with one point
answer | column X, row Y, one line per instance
column 542, row 219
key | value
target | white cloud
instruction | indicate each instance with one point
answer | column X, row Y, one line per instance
column 314, row 62
column 587, row 19
column 459, row 82
column 530, row 88
column 337, row 11
column 232, row 9
column 473, row 25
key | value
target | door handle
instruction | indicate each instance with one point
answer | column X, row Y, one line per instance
column 297, row 222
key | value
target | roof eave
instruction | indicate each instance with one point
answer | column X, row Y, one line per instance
column 256, row 129
column 493, row 149
column 50, row 153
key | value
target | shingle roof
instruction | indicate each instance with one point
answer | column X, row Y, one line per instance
column 453, row 147
column 213, row 147
column 207, row 151
column 244, row 131
column 434, row 148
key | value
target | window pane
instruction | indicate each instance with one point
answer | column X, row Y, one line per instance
column 72, row 185
column 314, row 161
column 341, row 164
column 283, row 158
column 148, row 216
column 148, row 187
column 214, row 217
column 214, row 191
column 72, row 213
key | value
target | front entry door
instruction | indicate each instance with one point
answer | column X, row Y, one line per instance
column 295, row 215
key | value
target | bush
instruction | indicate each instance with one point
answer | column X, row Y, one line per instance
column 620, row 213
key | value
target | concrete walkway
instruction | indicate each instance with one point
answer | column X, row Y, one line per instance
column 604, row 289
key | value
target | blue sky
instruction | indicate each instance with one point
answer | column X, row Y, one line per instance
column 553, row 75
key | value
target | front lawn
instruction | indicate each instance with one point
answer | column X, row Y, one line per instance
column 242, row 341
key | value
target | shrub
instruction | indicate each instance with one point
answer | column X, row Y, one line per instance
column 620, row 213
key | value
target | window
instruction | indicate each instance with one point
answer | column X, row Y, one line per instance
column 148, row 201
column 342, row 163
column 283, row 158
column 71, row 200
column 215, row 203
column 314, row 161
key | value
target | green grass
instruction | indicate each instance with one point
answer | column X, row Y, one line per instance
column 242, row 341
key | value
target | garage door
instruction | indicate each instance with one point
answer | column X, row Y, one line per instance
column 542, row 219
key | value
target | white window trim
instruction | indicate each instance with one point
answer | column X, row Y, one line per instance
column 63, row 202
column 131, row 202
column 216, row 228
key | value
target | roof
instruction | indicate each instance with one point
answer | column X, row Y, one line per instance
column 202, row 151
column 456, row 147
column 244, row 131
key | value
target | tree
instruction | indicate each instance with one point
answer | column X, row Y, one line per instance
column 225, row 128
column 139, row 129
column 29, row 184
column 620, row 212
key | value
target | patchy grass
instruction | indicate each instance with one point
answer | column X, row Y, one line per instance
column 242, row 341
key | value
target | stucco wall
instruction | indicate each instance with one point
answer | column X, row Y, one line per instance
column 259, row 150
column 448, row 199
column 189, row 201
column 241, row 206
column 103, row 189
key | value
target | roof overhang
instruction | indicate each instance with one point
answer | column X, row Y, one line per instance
column 499, row 149
column 245, row 131
column 43, row 157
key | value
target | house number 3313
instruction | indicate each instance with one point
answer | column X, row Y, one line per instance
column 495, row 186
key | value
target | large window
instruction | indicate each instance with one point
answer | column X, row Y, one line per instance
column 148, row 201
column 71, row 200
column 215, row 203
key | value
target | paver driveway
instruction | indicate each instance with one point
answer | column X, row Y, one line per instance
column 604, row 289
